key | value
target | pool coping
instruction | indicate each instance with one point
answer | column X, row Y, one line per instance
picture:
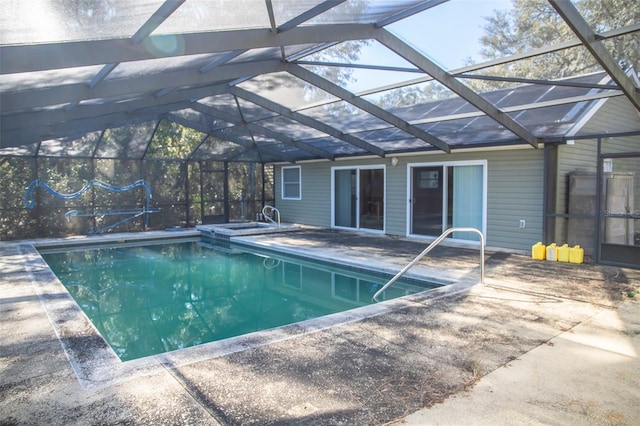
column 234, row 229
column 96, row 365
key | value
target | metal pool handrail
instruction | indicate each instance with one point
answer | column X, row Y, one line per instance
column 267, row 211
column 431, row 247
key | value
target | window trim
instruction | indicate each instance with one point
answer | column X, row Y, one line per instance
column 485, row 193
column 359, row 168
column 283, row 195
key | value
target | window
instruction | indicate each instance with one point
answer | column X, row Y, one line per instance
column 291, row 183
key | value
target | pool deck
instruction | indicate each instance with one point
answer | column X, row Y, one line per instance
column 539, row 343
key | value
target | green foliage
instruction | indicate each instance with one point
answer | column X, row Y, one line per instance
column 411, row 95
column 16, row 173
column 173, row 141
column 15, row 220
column 345, row 52
column 170, row 182
column 129, row 141
column 65, row 176
column 530, row 24
column 534, row 24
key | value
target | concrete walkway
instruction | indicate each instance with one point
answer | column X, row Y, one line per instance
column 589, row 375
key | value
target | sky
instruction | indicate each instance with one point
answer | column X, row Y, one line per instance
column 447, row 34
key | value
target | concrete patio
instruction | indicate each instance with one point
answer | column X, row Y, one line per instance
column 539, row 343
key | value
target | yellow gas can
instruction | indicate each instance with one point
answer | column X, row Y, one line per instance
column 538, row 251
column 576, row 254
column 563, row 253
column 552, row 252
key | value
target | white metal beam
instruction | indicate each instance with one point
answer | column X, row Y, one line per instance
column 142, row 103
column 255, row 128
column 409, row 12
column 418, row 59
column 55, row 95
column 47, row 56
column 306, row 120
column 367, row 106
column 309, row 14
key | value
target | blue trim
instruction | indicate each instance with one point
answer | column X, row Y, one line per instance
column 37, row 183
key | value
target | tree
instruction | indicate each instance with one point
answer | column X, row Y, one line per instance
column 532, row 24
column 345, row 52
column 173, row 140
column 426, row 92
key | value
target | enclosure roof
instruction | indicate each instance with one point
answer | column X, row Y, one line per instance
column 285, row 80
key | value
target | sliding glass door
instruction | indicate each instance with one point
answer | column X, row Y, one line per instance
column 466, row 195
column 345, row 198
column 358, row 198
column 447, row 195
column 426, row 200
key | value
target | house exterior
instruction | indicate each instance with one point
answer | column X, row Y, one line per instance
column 515, row 194
column 176, row 98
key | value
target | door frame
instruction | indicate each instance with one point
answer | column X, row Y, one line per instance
column 445, row 165
column 610, row 253
column 215, row 218
column 384, row 197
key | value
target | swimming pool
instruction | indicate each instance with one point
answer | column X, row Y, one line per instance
column 151, row 298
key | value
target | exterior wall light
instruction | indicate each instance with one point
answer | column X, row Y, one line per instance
column 394, row 161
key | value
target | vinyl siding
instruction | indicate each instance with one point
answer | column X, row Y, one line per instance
column 515, row 192
column 615, row 115
column 396, row 211
column 515, row 181
column 580, row 157
column 515, row 185
column 314, row 207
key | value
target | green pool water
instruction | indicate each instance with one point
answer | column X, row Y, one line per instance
column 151, row 299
